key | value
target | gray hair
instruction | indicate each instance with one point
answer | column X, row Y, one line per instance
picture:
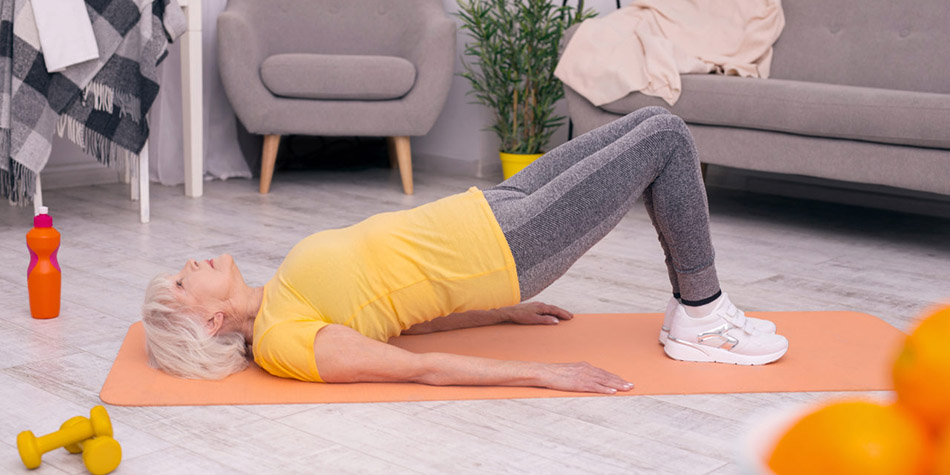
column 177, row 342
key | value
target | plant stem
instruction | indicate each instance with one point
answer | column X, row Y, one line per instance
column 514, row 116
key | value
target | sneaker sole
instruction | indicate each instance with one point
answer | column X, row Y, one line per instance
column 665, row 335
column 685, row 351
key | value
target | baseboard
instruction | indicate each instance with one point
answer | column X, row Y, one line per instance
column 456, row 167
column 820, row 189
column 490, row 168
column 76, row 174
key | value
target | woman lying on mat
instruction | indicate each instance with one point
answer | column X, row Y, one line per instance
column 464, row 261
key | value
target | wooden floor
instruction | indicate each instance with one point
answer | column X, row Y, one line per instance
column 773, row 254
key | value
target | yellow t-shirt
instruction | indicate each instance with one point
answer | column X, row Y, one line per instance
column 382, row 276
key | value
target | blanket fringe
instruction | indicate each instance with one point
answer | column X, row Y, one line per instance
column 104, row 150
column 104, row 98
column 18, row 184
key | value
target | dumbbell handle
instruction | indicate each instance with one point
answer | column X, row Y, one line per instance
column 71, row 434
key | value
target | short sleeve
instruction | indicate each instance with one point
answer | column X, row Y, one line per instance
column 286, row 350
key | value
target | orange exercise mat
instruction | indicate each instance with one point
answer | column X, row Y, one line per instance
column 829, row 351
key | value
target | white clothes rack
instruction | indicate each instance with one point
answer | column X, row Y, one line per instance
column 191, row 83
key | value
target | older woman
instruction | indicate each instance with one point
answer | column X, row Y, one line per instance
column 459, row 262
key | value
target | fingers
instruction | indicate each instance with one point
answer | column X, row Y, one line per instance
column 535, row 313
column 618, row 384
column 558, row 312
column 588, row 378
column 611, row 382
column 555, row 311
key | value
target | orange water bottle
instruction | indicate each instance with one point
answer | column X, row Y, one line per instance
column 43, row 278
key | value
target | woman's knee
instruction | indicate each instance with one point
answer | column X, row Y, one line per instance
column 641, row 115
column 652, row 111
column 634, row 119
column 676, row 135
column 667, row 123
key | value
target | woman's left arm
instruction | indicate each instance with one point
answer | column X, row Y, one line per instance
column 528, row 313
column 345, row 356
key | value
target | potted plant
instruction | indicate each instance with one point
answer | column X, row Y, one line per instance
column 514, row 50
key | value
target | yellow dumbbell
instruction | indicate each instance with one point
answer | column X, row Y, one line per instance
column 72, row 433
column 73, row 448
column 100, row 454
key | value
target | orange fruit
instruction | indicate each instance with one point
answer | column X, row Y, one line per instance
column 942, row 457
column 854, row 437
column 922, row 370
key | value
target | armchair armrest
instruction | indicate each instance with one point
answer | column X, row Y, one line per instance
column 240, row 54
column 432, row 51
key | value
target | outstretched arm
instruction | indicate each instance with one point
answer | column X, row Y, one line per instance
column 528, row 313
column 343, row 355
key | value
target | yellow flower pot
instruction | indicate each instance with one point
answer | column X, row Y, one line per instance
column 512, row 163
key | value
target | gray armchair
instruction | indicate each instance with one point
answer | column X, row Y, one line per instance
column 336, row 67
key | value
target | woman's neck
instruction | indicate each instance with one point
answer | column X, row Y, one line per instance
column 247, row 306
column 255, row 302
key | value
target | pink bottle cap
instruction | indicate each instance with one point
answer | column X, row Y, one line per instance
column 43, row 220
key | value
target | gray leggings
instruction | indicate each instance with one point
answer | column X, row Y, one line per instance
column 565, row 202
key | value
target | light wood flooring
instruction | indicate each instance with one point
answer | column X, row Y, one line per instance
column 773, row 254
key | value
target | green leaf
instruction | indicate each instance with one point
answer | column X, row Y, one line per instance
column 512, row 53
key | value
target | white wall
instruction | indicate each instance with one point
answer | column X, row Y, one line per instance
column 457, row 144
column 69, row 166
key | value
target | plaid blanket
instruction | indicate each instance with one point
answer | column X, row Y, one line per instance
column 100, row 105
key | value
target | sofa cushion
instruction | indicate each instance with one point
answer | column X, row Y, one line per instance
column 326, row 76
column 872, row 43
column 807, row 108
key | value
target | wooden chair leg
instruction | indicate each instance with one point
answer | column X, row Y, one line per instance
column 404, row 157
column 268, row 158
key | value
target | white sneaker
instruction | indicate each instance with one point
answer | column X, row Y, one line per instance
column 724, row 336
column 668, row 319
column 758, row 325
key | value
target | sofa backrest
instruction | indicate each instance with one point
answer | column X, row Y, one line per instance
column 893, row 44
column 377, row 27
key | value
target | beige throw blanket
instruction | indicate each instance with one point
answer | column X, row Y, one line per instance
column 647, row 44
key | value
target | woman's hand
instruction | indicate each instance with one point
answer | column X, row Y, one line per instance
column 530, row 313
column 582, row 377
column 534, row 313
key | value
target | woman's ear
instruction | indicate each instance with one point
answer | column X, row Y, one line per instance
column 214, row 323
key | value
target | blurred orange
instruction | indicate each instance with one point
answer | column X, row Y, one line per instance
column 854, row 437
column 922, row 370
column 942, row 458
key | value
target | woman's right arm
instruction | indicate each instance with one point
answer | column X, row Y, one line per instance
column 343, row 355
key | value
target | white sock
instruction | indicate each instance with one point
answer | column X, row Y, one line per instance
column 702, row 310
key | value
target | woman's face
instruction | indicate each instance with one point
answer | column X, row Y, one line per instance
column 209, row 283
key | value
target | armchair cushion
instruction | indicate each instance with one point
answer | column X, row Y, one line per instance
column 333, row 76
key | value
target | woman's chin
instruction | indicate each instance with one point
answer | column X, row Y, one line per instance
column 224, row 261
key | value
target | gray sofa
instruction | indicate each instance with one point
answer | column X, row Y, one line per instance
column 859, row 92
